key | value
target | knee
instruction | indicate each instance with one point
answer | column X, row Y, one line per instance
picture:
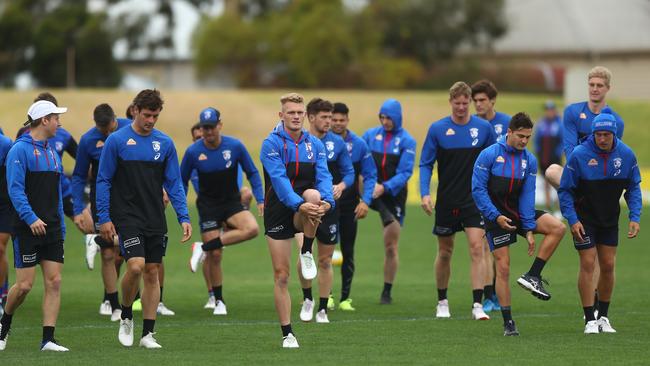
column 282, row 278
column 325, row 262
column 391, row 250
column 476, row 252
column 587, row 266
column 607, row 266
column 108, row 255
column 136, row 269
column 216, row 255
column 53, row 283
column 24, row 287
column 503, row 270
column 311, row 196
column 444, row 253
column 559, row 229
column 151, row 274
column 252, row 231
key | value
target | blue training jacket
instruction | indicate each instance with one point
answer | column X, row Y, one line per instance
column 503, row 183
column 5, row 145
column 593, row 181
column 218, row 170
column 338, row 159
column 34, row 184
column 89, row 151
column 500, row 123
column 133, row 170
column 577, row 125
column 291, row 167
column 548, row 140
column 393, row 151
column 363, row 165
column 456, row 148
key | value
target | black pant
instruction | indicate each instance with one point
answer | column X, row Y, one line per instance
column 348, row 231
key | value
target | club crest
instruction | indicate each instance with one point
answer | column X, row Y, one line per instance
column 473, row 132
column 498, row 128
column 155, row 145
column 58, row 146
column 329, row 145
column 617, row 163
column 226, row 154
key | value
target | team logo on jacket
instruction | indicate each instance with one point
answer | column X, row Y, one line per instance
column 99, row 144
column 203, row 157
column 524, row 164
column 37, row 152
column 58, row 146
column 329, row 145
column 226, row 156
column 618, row 162
column 500, row 159
column 379, row 137
column 498, row 128
column 583, row 115
column 310, row 153
column 156, row 145
column 592, row 162
column 349, row 146
column 473, row 132
column 450, row 132
column 130, row 142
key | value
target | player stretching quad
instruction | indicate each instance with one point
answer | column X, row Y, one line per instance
column 298, row 195
column 216, row 159
column 503, row 187
column 135, row 165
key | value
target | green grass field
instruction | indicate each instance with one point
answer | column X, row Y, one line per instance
column 403, row 333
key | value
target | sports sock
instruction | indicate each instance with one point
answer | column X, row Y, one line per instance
column 212, row 245
column 112, row 298
column 387, row 288
column 306, row 245
column 477, row 294
column 306, row 294
column 596, row 300
column 48, row 334
column 442, row 294
column 127, row 312
column 537, row 267
column 286, row 329
column 217, row 291
column 161, row 294
column 6, row 324
column 603, row 309
column 105, row 296
column 506, row 313
column 488, row 292
column 210, row 292
column 589, row 313
column 147, row 326
column 322, row 303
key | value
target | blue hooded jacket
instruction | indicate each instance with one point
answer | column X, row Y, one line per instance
column 577, row 125
column 363, row 165
column 393, row 151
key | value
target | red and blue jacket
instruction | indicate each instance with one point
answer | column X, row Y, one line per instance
column 593, row 181
column 503, row 183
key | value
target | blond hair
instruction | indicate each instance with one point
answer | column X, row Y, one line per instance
column 291, row 97
column 458, row 89
column 600, row 72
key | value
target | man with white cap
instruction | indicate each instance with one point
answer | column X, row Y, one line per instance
column 33, row 180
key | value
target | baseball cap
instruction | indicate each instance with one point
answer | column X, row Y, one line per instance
column 41, row 109
column 209, row 116
column 549, row 104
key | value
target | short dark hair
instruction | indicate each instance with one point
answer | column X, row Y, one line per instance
column 103, row 115
column 196, row 126
column 485, row 86
column 520, row 121
column 46, row 96
column 340, row 108
column 319, row 105
column 129, row 113
column 148, row 99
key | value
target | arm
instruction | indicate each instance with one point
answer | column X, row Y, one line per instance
column 71, row 147
column 404, row 168
column 345, row 166
column 186, row 170
column 252, row 174
column 275, row 168
column 527, row 197
column 569, row 133
column 60, row 208
column 427, row 160
column 323, row 176
column 480, row 178
column 369, row 174
column 566, row 192
column 79, row 177
column 106, row 171
column 173, row 185
column 16, row 169
column 633, row 194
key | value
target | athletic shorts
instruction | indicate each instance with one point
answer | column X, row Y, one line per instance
column 328, row 229
column 594, row 235
column 212, row 218
column 450, row 221
column 544, row 165
column 498, row 237
column 7, row 216
column 68, row 207
column 30, row 250
column 135, row 244
column 278, row 222
column 390, row 208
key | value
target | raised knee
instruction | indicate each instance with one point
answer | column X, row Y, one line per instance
column 252, row 231
column 24, row 287
column 559, row 230
column 311, row 196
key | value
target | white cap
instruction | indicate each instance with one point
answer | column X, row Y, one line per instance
column 43, row 108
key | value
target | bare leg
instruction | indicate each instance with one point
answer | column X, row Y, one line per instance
column 443, row 261
column 4, row 266
column 553, row 175
column 280, row 257
column 502, row 259
column 607, row 259
column 151, row 290
column 585, row 276
column 18, row 292
column 391, row 256
column 131, row 280
column 52, row 295
column 109, row 274
column 475, row 239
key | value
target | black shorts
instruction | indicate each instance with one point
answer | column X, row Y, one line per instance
column 68, row 209
column 30, row 250
column 278, row 222
column 7, row 216
column 390, row 208
column 498, row 237
column 328, row 229
column 543, row 165
column 136, row 244
column 450, row 221
column 594, row 236
column 212, row 217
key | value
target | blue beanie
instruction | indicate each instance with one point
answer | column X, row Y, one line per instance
column 605, row 121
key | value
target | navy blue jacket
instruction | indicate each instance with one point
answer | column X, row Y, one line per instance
column 5, row 145
column 218, row 169
column 133, row 170
column 503, row 183
column 593, row 181
column 90, row 149
column 456, row 148
column 500, row 123
column 34, row 184
column 291, row 167
column 363, row 165
column 577, row 125
column 393, row 151
column 548, row 140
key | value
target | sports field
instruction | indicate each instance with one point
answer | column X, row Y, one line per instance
column 403, row 333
